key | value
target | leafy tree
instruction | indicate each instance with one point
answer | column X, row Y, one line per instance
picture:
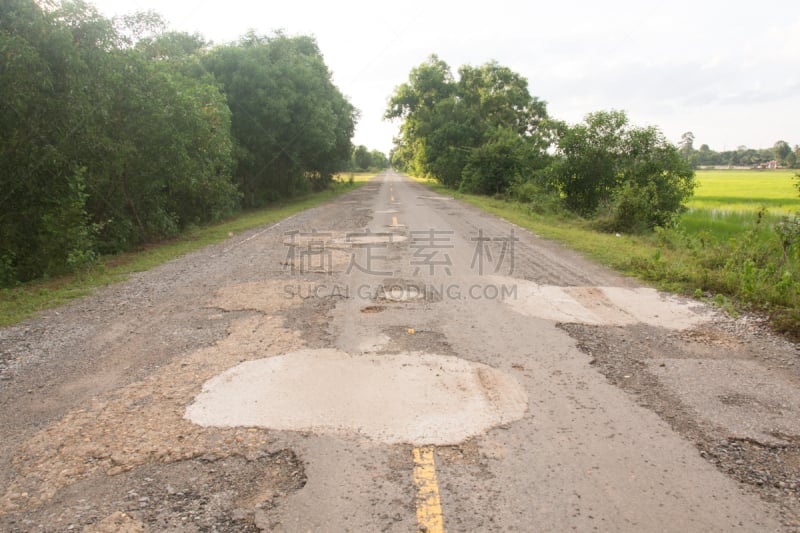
column 687, row 144
column 292, row 127
column 655, row 182
column 365, row 159
column 115, row 132
column 587, row 171
column 492, row 167
column 43, row 219
column 361, row 158
column 781, row 149
column 455, row 131
column 379, row 159
column 104, row 147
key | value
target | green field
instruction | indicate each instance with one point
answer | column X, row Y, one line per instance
column 746, row 190
column 727, row 202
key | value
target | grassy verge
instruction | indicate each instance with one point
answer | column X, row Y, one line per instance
column 746, row 267
column 19, row 303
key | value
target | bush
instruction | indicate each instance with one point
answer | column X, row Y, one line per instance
column 537, row 196
column 631, row 177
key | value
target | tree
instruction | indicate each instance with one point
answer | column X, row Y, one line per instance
column 495, row 164
column 378, row 159
column 587, row 170
column 44, row 224
column 292, row 127
column 453, row 130
column 687, row 144
column 781, row 149
column 361, row 158
column 104, row 147
column 115, row 133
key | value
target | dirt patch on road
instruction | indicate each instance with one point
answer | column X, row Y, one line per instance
column 142, row 424
column 227, row 494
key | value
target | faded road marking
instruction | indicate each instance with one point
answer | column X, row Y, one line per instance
column 429, row 505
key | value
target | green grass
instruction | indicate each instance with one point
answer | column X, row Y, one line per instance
column 19, row 303
column 725, row 224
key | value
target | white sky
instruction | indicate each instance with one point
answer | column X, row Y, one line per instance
column 729, row 71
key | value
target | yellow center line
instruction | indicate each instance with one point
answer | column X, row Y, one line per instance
column 392, row 198
column 429, row 505
column 394, row 221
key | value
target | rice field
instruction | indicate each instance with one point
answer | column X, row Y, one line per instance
column 727, row 202
column 746, row 190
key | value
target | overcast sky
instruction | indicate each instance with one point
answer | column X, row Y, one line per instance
column 727, row 71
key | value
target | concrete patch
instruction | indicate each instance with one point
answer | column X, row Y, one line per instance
column 604, row 306
column 399, row 398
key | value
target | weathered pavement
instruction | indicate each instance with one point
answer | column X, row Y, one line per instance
column 393, row 361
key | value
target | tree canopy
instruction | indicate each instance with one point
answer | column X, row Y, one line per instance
column 484, row 132
column 118, row 132
column 291, row 126
column 475, row 132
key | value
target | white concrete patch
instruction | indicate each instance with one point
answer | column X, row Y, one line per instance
column 397, row 398
column 604, row 306
column 657, row 309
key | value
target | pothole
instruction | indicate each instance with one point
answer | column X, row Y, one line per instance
column 316, row 241
column 401, row 291
column 368, row 239
column 411, row 398
column 372, row 309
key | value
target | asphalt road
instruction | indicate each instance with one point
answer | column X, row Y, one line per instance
column 393, row 360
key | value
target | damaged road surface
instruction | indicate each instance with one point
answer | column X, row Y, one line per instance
column 395, row 360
